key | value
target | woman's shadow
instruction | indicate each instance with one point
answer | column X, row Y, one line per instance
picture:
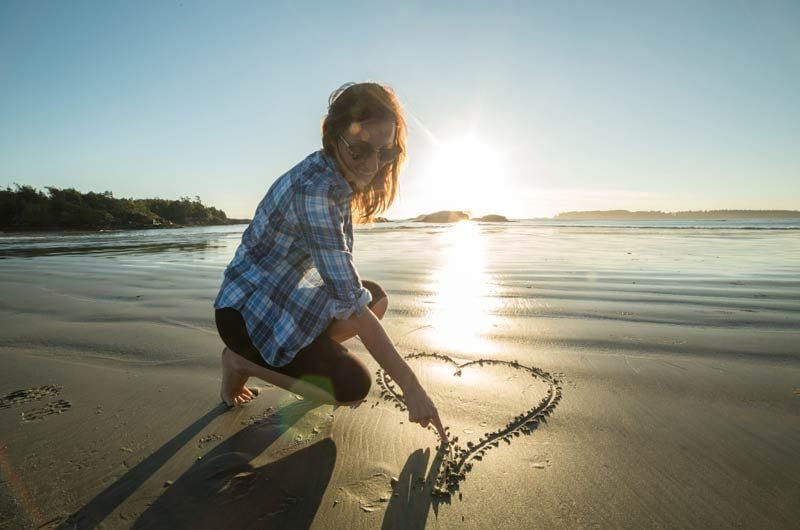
column 224, row 490
column 412, row 500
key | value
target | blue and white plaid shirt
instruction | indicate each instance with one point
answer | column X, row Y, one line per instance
column 293, row 273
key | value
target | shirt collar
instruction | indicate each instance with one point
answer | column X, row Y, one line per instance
column 339, row 181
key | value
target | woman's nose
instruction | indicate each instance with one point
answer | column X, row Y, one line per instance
column 371, row 162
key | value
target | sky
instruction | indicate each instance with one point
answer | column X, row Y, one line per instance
column 525, row 109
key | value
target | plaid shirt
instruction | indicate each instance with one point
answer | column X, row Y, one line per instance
column 293, row 273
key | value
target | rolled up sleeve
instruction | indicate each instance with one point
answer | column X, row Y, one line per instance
column 320, row 216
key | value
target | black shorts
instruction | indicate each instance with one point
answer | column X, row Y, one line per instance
column 324, row 363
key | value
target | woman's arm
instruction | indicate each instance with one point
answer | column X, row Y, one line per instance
column 320, row 212
column 420, row 407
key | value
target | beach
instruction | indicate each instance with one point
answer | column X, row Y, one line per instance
column 673, row 350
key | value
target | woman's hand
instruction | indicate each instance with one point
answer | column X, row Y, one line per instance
column 422, row 410
column 420, row 407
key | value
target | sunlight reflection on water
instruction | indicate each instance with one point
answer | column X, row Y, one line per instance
column 463, row 301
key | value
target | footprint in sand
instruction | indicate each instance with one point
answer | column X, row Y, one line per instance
column 213, row 437
column 54, row 407
column 371, row 492
column 19, row 397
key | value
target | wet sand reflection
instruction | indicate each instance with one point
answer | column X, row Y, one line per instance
column 463, row 301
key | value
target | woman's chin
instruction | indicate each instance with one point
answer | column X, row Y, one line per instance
column 362, row 183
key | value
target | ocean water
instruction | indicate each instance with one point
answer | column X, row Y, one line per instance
column 471, row 289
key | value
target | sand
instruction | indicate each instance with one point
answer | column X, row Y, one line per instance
column 689, row 444
column 110, row 415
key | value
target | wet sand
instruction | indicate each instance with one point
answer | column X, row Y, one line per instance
column 679, row 407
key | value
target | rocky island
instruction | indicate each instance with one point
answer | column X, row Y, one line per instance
column 453, row 216
column 492, row 218
column 444, row 216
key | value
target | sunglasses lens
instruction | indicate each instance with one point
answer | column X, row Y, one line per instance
column 388, row 155
column 360, row 151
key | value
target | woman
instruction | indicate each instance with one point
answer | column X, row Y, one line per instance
column 291, row 295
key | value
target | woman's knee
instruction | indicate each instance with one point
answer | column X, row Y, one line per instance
column 380, row 308
column 375, row 290
column 351, row 381
column 380, row 300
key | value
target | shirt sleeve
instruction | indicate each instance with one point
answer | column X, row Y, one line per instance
column 321, row 222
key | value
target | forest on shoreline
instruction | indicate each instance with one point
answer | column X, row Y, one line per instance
column 26, row 208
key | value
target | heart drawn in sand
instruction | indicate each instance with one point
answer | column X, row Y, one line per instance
column 531, row 391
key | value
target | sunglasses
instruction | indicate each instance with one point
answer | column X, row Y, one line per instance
column 360, row 150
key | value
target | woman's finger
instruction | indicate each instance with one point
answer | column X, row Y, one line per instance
column 439, row 427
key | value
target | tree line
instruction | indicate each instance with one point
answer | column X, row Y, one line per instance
column 25, row 207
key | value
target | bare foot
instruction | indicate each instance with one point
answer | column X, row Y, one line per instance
column 233, row 391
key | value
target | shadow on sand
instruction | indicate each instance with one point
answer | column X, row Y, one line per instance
column 223, row 489
column 409, row 508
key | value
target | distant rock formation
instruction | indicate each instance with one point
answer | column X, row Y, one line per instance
column 445, row 216
column 492, row 218
column 453, row 216
column 693, row 215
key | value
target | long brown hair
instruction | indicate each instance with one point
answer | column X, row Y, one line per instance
column 357, row 102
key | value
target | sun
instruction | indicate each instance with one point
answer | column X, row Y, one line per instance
column 466, row 173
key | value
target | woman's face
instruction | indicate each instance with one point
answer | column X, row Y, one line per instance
column 359, row 150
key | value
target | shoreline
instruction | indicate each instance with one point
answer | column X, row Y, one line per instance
column 93, row 230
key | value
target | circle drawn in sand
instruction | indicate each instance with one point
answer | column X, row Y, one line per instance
column 459, row 460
